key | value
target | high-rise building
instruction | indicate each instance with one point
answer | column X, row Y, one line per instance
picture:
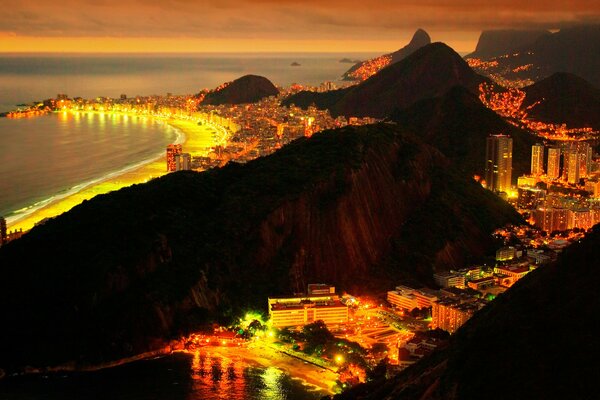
column 573, row 166
column 537, row 159
column 183, row 162
column 3, row 235
column 553, row 163
column 498, row 168
column 172, row 151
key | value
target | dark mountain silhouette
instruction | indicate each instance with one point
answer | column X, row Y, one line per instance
column 419, row 39
column 564, row 98
column 429, row 72
column 119, row 274
column 540, row 339
column 247, row 89
column 575, row 50
column 458, row 124
column 500, row 42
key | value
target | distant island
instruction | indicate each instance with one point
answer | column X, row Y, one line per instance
column 295, row 64
column 349, row 61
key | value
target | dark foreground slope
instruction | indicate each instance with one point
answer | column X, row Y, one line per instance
column 247, row 89
column 429, row 72
column 122, row 272
column 537, row 341
column 458, row 125
column 564, row 98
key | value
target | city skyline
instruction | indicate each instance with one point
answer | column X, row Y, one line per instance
column 267, row 26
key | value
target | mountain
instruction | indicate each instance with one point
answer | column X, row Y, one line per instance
column 358, row 207
column 575, row 50
column 247, row 89
column 419, row 39
column 500, row 42
column 458, row 124
column 429, row 72
column 564, row 98
column 539, row 340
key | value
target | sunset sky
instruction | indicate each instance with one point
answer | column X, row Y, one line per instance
column 269, row 25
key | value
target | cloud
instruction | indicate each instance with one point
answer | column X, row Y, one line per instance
column 284, row 19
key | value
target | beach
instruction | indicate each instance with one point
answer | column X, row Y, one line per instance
column 261, row 355
column 195, row 139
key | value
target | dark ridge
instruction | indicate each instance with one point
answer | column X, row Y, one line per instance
column 564, row 98
column 358, row 207
column 539, row 339
column 429, row 72
column 247, row 89
column 458, row 124
column 500, row 42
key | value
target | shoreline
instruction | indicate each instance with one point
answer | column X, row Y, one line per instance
column 195, row 139
column 254, row 354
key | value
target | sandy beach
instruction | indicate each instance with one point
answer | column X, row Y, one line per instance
column 261, row 355
column 196, row 140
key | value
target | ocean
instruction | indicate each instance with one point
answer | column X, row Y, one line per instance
column 45, row 157
column 174, row 377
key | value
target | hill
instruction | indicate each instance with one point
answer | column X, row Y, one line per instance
column 364, row 69
column 539, row 340
column 121, row 273
column 564, row 98
column 574, row 50
column 458, row 125
column 496, row 43
column 429, row 72
column 247, row 89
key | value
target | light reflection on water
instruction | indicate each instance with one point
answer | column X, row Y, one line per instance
column 204, row 375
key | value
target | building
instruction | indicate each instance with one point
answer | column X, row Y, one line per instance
column 408, row 298
column 509, row 274
column 482, row 283
column 580, row 218
column 530, row 198
column 573, row 167
column 450, row 314
column 593, row 186
column 551, row 219
column 302, row 310
column 506, row 253
column 498, row 168
column 449, row 279
column 172, row 151
column 553, row 163
column 537, row 159
column 183, row 162
column 315, row 289
column 3, row 234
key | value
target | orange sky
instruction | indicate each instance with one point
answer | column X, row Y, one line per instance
column 269, row 25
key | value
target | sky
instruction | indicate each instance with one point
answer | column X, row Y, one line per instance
column 269, row 25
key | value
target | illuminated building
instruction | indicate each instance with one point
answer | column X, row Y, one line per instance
column 537, row 159
column 553, row 163
column 482, row 283
column 581, row 218
column 498, row 168
column 551, row 219
column 449, row 279
column 409, row 298
column 593, row 187
column 530, row 198
column 3, row 236
column 511, row 273
column 506, row 253
column 573, row 167
column 302, row 310
column 320, row 288
column 183, row 162
column 528, row 181
column 450, row 314
column 172, row 151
